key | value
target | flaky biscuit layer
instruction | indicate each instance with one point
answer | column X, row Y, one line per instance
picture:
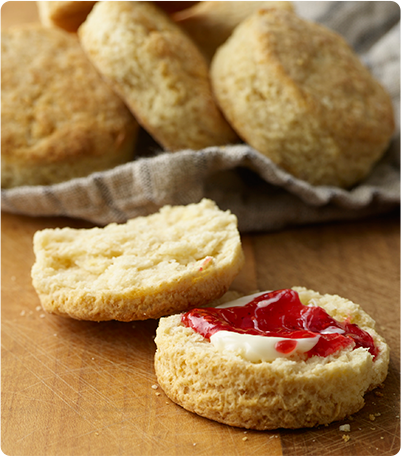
column 176, row 259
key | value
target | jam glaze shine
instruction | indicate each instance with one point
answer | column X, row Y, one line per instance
column 281, row 316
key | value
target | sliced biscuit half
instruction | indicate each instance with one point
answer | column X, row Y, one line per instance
column 167, row 262
column 284, row 393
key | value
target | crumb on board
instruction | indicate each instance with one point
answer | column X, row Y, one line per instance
column 154, row 387
column 244, row 439
column 372, row 417
column 346, row 437
column 345, row 428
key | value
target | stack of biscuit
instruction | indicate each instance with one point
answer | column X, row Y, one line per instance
column 75, row 88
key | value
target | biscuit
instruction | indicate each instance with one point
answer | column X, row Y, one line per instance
column 210, row 23
column 178, row 258
column 69, row 14
column 297, row 93
column 66, row 15
column 59, row 118
column 283, row 393
column 158, row 71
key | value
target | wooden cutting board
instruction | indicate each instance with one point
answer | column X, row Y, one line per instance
column 82, row 388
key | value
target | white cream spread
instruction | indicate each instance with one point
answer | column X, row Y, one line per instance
column 256, row 348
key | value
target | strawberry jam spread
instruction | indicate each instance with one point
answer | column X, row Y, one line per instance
column 280, row 314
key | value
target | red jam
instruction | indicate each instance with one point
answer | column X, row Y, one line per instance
column 280, row 313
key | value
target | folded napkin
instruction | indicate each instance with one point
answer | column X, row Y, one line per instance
column 262, row 195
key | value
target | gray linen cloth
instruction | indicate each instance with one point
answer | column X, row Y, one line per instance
column 263, row 196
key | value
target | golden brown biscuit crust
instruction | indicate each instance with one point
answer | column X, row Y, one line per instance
column 297, row 93
column 284, row 393
column 59, row 118
column 158, row 71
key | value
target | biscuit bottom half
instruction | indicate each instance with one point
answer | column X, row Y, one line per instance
column 284, row 393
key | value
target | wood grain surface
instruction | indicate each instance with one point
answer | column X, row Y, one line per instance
column 82, row 388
